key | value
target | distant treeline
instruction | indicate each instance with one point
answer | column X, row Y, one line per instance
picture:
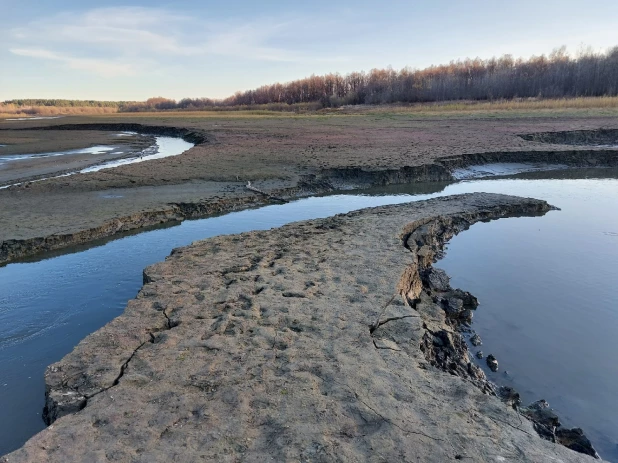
column 555, row 76
column 558, row 75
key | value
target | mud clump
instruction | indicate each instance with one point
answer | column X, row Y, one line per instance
column 492, row 363
column 548, row 426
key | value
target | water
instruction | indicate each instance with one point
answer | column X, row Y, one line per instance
column 48, row 306
column 21, row 157
column 34, row 118
column 549, row 300
column 163, row 147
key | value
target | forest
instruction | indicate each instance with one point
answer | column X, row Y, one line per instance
column 559, row 75
column 555, row 76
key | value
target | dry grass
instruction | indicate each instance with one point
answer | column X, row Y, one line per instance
column 602, row 106
column 10, row 110
column 518, row 104
column 521, row 104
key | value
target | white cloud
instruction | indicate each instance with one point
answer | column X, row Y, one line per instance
column 107, row 41
column 106, row 68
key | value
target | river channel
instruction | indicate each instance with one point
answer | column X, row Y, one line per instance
column 547, row 286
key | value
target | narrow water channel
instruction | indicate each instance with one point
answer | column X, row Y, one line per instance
column 23, row 157
column 162, row 148
column 48, row 306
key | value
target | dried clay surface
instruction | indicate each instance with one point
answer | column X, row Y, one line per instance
column 317, row 341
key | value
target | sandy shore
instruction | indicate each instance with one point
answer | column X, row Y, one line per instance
column 325, row 340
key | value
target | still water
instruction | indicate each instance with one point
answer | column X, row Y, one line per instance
column 555, row 303
column 21, row 157
column 548, row 288
column 162, row 148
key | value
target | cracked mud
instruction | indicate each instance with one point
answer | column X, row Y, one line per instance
column 324, row 340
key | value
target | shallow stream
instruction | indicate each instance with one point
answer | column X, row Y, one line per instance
column 162, row 148
column 547, row 286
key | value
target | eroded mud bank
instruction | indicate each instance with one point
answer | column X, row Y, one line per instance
column 326, row 340
column 324, row 182
column 320, row 181
column 575, row 137
column 194, row 136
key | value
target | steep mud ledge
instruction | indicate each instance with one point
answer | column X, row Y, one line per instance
column 11, row 250
column 324, row 340
column 194, row 136
column 575, row 137
column 571, row 158
column 446, row 348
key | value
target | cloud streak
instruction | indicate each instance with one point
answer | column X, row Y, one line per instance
column 106, row 68
column 107, row 41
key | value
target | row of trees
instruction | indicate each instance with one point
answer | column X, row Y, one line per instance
column 555, row 76
column 162, row 104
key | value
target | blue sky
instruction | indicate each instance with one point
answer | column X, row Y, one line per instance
column 117, row 50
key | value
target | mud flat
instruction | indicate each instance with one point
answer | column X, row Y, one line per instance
column 324, row 340
column 285, row 156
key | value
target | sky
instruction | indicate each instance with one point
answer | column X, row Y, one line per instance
column 119, row 50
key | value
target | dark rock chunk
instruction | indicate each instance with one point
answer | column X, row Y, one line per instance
column 576, row 440
column 466, row 316
column 544, row 419
column 469, row 301
column 476, row 373
column 547, row 425
column 436, row 279
column 476, row 340
column 509, row 396
column 479, row 354
column 452, row 306
column 492, row 363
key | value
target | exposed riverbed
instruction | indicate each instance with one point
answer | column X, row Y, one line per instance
column 40, row 166
column 46, row 309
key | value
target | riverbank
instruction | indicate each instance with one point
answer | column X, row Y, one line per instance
column 286, row 156
column 318, row 340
